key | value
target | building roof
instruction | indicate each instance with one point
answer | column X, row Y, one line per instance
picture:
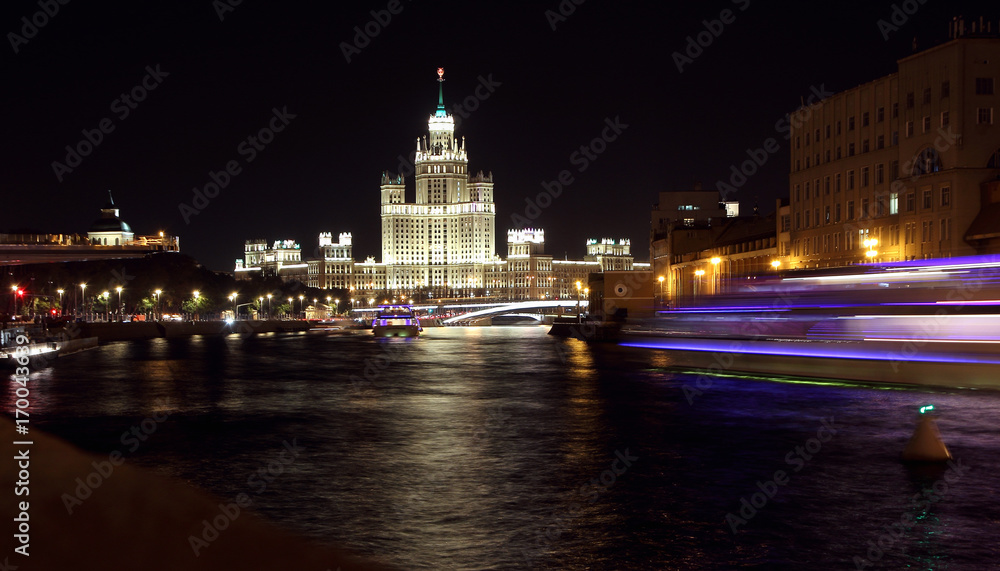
column 987, row 223
column 112, row 224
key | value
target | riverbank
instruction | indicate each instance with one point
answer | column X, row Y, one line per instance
column 135, row 331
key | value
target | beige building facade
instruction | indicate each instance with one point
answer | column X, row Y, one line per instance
column 898, row 168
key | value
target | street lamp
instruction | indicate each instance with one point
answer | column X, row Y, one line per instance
column 233, row 297
column 157, row 293
column 121, row 308
column 698, row 274
column 578, row 302
column 13, row 289
column 269, row 306
column 716, row 278
column 660, row 279
column 83, row 300
column 302, row 308
column 106, row 295
column 197, row 296
column 290, row 307
column 870, row 244
column 60, row 292
column 260, row 306
column 775, row 264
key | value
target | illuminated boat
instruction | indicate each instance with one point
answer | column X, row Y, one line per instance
column 396, row 321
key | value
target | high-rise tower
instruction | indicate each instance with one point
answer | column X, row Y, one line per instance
column 440, row 242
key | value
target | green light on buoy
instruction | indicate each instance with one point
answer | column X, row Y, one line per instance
column 925, row 409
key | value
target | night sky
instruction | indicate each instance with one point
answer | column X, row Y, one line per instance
column 553, row 91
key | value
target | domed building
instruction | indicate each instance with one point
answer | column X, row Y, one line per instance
column 109, row 229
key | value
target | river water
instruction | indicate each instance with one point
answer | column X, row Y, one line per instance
column 503, row 448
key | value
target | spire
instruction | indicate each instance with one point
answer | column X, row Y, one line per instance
column 440, row 108
column 111, row 199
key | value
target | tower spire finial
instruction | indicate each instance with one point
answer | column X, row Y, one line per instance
column 440, row 108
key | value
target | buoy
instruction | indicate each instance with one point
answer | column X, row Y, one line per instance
column 926, row 445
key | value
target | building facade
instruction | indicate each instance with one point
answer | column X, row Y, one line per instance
column 283, row 258
column 442, row 240
column 899, row 168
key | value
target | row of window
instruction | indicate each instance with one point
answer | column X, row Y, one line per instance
column 983, row 86
column 984, row 116
column 855, row 239
column 807, row 218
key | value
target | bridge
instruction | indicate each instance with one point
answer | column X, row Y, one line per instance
column 513, row 307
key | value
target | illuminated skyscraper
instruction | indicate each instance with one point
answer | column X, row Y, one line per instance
column 441, row 240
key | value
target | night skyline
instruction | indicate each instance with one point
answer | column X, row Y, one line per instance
column 212, row 81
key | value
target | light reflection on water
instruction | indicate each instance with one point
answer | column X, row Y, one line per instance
column 477, row 448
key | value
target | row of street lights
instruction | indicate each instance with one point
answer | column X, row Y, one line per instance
column 870, row 253
column 157, row 294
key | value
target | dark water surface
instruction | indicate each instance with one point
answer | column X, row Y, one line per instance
column 500, row 448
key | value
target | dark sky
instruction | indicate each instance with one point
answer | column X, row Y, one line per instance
column 353, row 120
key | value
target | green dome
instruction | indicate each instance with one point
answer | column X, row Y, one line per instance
column 113, row 224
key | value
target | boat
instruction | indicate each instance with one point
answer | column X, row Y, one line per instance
column 396, row 321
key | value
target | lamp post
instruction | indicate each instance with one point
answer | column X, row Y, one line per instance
column 60, row 292
column 578, row 302
column 302, row 308
column 260, row 306
column 83, row 301
column 13, row 294
column 121, row 308
column 269, row 306
column 157, row 316
column 716, row 278
column 586, row 294
column 660, row 279
column 106, row 295
column 697, row 281
column 870, row 244
column 197, row 296
column 233, row 297
column 776, row 264
column 290, row 307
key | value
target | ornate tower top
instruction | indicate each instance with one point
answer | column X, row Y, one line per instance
column 440, row 112
column 441, row 125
